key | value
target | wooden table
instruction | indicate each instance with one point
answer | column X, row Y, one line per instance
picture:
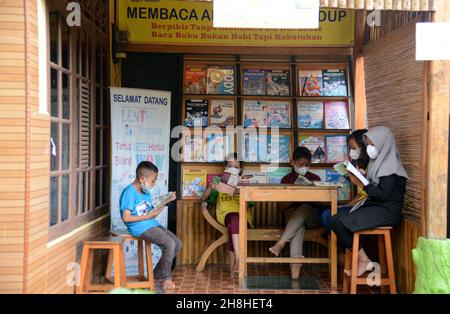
column 285, row 193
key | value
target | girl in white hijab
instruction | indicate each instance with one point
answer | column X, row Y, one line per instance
column 386, row 189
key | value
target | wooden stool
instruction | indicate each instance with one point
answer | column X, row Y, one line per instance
column 114, row 244
column 384, row 254
column 141, row 281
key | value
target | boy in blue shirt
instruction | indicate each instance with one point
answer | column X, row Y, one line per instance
column 139, row 216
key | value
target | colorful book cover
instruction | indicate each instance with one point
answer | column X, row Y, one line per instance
column 277, row 83
column 321, row 173
column 254, row 82
column 256, row 176
column 220, row 80
column 218, row 147
column 274, row 175
column 336, row 148
column 310, row 115
column 195, row 80
column 193, row 149
column 194, row 183
column 210, row 177
column 196, row 113
column 279, row 148
column 334, row 177
column 316, row 145
column 255, row 147
column 279, row 114
column 334, row 83
column 222, row 112
column 255, row 113
column 311, row 83
column 336, row 115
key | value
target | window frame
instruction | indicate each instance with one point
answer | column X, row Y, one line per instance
column 95, row 34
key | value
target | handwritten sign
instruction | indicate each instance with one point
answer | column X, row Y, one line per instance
column 140, row 130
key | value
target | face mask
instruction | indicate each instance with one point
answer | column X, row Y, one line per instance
column 355, row 153
column 372, row 151
column 233, row 170
column 301, row 170
column 146, row 188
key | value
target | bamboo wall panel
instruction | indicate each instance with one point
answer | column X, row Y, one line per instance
column 395, row 93
column 196, row 234
column 12, row 147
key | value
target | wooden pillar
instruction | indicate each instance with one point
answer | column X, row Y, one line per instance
column 358, row 74
column 438, row 88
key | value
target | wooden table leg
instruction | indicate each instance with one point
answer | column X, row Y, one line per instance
column 242, row 239
column 333, row 243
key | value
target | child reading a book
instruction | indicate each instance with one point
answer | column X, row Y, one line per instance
column 360, row 160
column 139, row 215
column 385, row 190
column 227, row 211
column 298, row 216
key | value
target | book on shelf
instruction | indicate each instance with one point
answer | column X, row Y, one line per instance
column 255, row 113
column 279, row 114
column 334, row 82
column 195, row 80
column 316, row 145
column 277, row 83
column 335, row 148
column 222, row 112
column 310, row 115
column 254, row 147
column 218, row 146
column 336, row 178
column 196, row 113
column 336, row 115
column 346, row 166
column 275, row 174
column 255, row 176
column 254, row 82
column 267, row 113
column 193, row 183
column 279, row 148
column 311, row 83
column 220, row 80
column 193, row 150
column 210, row 178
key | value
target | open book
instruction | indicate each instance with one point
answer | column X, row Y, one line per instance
column 228, row 182
column 346, row 166
column 301, row 180
column 158, row 200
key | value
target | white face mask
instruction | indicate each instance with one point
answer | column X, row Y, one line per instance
column 301, row 170
column 372, row 151
column 233, row 170
column 146, row 189
column 355, row 153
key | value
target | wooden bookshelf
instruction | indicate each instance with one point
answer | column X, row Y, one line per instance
column 291, row 64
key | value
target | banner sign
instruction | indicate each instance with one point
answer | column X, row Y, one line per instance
column 191, row 23
column 140, row 130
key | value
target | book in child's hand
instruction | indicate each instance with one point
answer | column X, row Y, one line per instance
column 301, row 180
column 346, row 166
column 228, row 182
column 158, row 200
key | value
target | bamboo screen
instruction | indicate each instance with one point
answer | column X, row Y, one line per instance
column 394, row 94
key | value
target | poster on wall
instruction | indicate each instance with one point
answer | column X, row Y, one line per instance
column 140, row 130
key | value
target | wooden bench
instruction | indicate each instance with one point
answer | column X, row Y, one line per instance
column 257, row 234
column 385, row 257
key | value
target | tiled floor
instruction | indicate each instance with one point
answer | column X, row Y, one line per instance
column 215, row 279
